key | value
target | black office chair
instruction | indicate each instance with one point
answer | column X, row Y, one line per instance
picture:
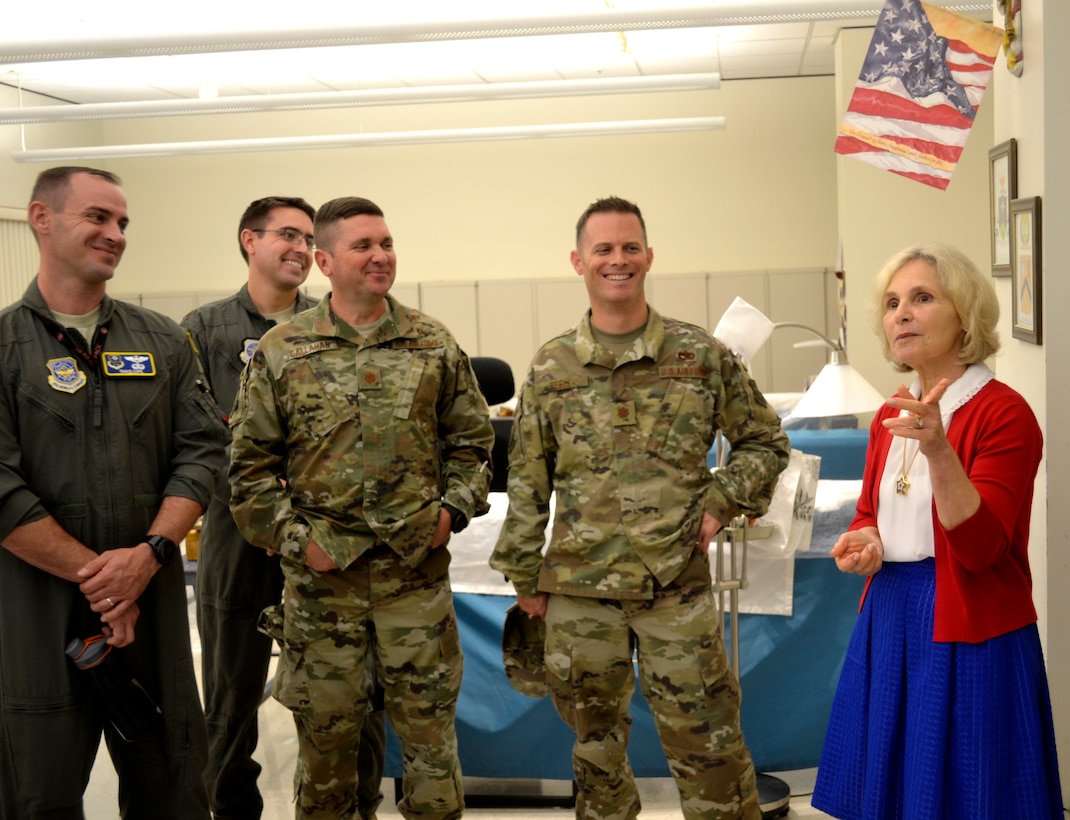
column 495, row 379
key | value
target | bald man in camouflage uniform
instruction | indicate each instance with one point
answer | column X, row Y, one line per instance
column 361, row 441
column 616, row 417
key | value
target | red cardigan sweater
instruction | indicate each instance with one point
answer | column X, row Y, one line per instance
column 983, row 585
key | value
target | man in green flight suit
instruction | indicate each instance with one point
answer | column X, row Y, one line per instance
column 108, row 454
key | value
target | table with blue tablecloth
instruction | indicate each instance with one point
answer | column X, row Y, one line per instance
column 789, row 668
column 789, row 664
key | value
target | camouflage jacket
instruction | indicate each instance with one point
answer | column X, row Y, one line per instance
column 350, row 441
column 623, row 444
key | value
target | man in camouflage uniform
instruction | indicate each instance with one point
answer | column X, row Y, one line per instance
column 616, row 416
column 361, row 441
column 236, row 582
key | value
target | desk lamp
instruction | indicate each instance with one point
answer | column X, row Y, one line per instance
column 838, row 390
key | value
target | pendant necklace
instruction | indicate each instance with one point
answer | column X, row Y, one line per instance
column 902, row 485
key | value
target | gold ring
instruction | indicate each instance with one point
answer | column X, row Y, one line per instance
column 919, row 423
column 110, row 601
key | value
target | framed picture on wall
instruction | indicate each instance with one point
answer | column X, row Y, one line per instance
column 1002, row 190
column 1025, row 269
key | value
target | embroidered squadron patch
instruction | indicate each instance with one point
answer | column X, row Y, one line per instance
column 129, row 364
column 248, row 348
column 65, row 375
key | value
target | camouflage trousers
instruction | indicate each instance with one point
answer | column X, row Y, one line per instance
column 379, row 611
column 692, row 692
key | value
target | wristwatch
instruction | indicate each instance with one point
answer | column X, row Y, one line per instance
column 163, row 548
column 458, row 520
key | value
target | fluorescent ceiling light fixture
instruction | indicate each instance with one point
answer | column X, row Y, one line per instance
column 376, row 66
column 174, row 149
column 361, row 98
column 740, row 12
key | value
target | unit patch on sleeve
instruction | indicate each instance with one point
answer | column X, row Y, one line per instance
column 248, row 348
column 129, row 364
column 65, row 375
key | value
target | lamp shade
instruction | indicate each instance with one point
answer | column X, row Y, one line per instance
column 838, row 390
column 744, row 329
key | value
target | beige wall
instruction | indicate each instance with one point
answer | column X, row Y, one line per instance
column 759, row 195
column 1040, row 106
column 755, row 198
column 1035, row 111
column 1019, row 102
column 16, row 180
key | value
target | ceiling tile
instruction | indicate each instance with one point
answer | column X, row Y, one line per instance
column 762, row 48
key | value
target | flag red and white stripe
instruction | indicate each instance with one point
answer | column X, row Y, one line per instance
column 919, row 90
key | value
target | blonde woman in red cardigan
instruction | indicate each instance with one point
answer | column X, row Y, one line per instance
column 942, row 708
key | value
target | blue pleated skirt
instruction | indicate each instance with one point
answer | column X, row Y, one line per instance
column 924, row 730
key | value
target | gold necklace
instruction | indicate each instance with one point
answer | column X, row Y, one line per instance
column 902, row 484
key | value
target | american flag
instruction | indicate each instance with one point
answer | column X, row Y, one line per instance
column 919, row 90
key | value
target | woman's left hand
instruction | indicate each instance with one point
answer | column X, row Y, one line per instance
column 860, row 552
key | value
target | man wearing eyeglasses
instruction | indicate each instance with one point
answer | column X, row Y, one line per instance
column 236, row 582
column 361, row 440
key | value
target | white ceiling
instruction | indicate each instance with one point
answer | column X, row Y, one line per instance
column 774, row 49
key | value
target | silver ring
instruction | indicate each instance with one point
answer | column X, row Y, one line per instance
column 110, row 601
column 919, row 423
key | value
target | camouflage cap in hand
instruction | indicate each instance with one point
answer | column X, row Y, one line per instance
column 523, row 652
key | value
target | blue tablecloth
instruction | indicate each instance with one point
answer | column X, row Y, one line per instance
column 789, row 668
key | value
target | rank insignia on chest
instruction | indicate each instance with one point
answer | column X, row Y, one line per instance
column 64, row 375
column 623, row 413
column 370, row 378
column 248, row 348
column 129, row 364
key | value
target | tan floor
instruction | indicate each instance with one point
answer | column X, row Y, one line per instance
column 277, row 753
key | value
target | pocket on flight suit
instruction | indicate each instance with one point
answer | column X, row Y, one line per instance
column 48, row 774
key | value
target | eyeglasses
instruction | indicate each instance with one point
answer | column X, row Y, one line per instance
column 294, row 237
